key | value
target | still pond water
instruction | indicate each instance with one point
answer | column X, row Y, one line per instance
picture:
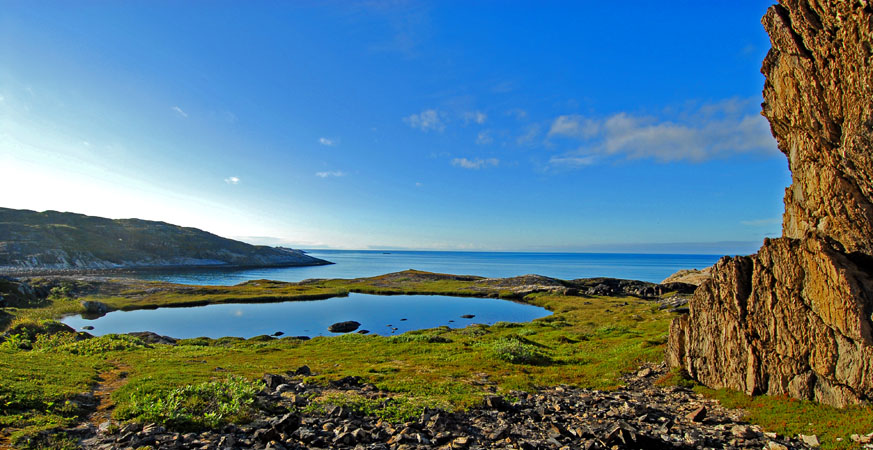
column 382, row 315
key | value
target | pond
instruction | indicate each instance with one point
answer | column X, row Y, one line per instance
column 383, row 315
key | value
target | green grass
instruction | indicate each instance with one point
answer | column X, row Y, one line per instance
column 586, row 342
column 790, row 416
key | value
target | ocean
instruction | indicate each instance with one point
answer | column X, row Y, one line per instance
column 367, row 263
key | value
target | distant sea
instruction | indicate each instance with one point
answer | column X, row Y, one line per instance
column 367, row 263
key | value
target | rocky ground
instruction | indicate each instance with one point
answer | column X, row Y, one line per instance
column 640, row 415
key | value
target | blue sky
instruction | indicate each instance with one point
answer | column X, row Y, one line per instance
column 531, row 126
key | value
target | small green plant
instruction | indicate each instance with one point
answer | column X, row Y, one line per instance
column 103, row 344
column 517, row 350
column 391, row 409
column 418, row 338
column 16, row 341
column 195, row 407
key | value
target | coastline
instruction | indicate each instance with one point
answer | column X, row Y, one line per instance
column 39, row 272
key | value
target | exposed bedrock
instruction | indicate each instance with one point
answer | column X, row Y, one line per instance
column 795, row 318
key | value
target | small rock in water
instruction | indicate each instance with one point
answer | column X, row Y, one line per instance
column 88, row 328
column 344, row 327
column 468, row 316
column 278, row 333
column 402, row 320
column 363, row 331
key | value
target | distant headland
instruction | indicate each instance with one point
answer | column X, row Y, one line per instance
column 50, row 241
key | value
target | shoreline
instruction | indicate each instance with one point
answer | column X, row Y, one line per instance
column 39, row 272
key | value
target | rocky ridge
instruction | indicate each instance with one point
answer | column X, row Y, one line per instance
column 795, row 318
column 639, row 416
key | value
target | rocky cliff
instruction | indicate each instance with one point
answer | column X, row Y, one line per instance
column 795, row 318
column 51, row 241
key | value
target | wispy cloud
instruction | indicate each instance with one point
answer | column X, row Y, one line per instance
column 474, row 117
column 427, row 120
column 484, row 138
column 761, row 222
column 179, row 111
column 530, row 135
column 327, row 141
column 708, row 131
column 330, row 173
column 574, row 126
column 518, row 113
column 572, row 161
column 232, row 180
column 476, row 163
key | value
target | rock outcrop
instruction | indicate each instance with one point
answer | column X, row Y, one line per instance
column 32, row 242
column 795, row 318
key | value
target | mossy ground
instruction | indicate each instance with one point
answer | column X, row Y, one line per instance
column 587, row 342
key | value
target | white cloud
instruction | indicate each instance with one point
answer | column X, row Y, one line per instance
column 330, row 173
column 429, row 119
column 476, row 163
column 484, row 138
column 714, row 130
column 180, row 112
column 574, row 126
column 232, row 180
column 418, row 184
column 327, row 142
column 474, row 116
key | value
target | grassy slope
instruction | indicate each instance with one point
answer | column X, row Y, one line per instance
column 586, row 342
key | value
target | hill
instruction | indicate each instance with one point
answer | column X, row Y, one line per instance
column 51, row 241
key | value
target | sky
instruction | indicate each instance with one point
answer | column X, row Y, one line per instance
column 448, row 125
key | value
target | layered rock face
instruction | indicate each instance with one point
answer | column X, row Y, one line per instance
column 796, row 317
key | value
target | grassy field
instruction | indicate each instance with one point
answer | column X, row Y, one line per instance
column 586, row 342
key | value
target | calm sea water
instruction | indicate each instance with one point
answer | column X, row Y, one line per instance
column 365, row 263
column 384, row 315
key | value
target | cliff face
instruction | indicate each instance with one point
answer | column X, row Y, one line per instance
column 32, row 241
column 796, row 317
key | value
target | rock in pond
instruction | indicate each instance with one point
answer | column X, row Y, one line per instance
column 344, row 327
column 468, row 316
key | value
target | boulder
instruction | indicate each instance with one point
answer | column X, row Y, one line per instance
column 344, row 327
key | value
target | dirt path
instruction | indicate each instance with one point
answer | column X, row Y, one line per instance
column 108, row 382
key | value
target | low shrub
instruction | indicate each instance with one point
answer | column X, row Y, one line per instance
column 202, row 406
column 517, row 350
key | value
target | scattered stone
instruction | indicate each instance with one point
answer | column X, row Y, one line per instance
column 639, row 416
column 468, row 316
column 87, row 328
column 697, row 415
column 363, row 331
column 810, row 439
column 344, row 327
column 153, row 338
column 94, row 309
